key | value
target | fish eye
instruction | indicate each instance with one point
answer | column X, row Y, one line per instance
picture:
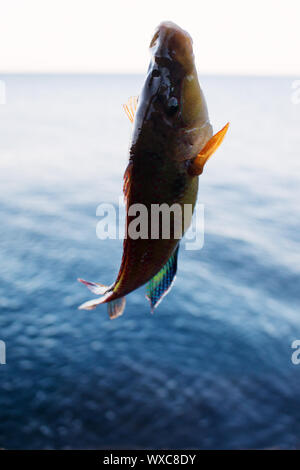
column 172, row 106
column 155, row 73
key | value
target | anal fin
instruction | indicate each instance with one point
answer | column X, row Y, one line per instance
column 95, row 287
column 115, row 308
column 161, row 283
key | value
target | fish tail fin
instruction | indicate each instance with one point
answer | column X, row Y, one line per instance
column 160, row 285
column 115, row 307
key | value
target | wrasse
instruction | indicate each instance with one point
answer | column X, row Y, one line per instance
column 172, row 140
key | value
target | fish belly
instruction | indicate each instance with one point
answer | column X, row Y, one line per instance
column 143, row 258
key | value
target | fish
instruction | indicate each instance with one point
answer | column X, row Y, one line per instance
column 172, row 139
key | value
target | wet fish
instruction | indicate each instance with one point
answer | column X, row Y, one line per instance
column 171, row 142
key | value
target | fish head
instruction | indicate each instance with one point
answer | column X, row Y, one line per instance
column 172, row 101
column 172, row 43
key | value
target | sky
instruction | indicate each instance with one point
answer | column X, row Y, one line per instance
column 258, row 37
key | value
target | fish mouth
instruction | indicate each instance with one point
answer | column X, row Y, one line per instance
column 173, row 43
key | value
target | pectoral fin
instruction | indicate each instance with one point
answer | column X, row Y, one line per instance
column 197, row 165
column 130, row 107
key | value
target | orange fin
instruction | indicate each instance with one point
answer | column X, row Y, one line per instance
column 130, row 107
column 197, row 165
column 127, row 180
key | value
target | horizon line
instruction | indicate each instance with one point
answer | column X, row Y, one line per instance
column 96, row 73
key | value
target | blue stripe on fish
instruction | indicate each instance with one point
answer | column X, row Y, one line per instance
column 162, row 282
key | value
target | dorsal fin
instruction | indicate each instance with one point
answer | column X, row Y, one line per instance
column 162, row 282
column 127, row 181
column 130, row 107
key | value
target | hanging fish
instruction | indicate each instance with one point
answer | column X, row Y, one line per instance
column 171, row 142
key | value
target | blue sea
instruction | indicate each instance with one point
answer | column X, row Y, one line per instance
column 212, row 368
